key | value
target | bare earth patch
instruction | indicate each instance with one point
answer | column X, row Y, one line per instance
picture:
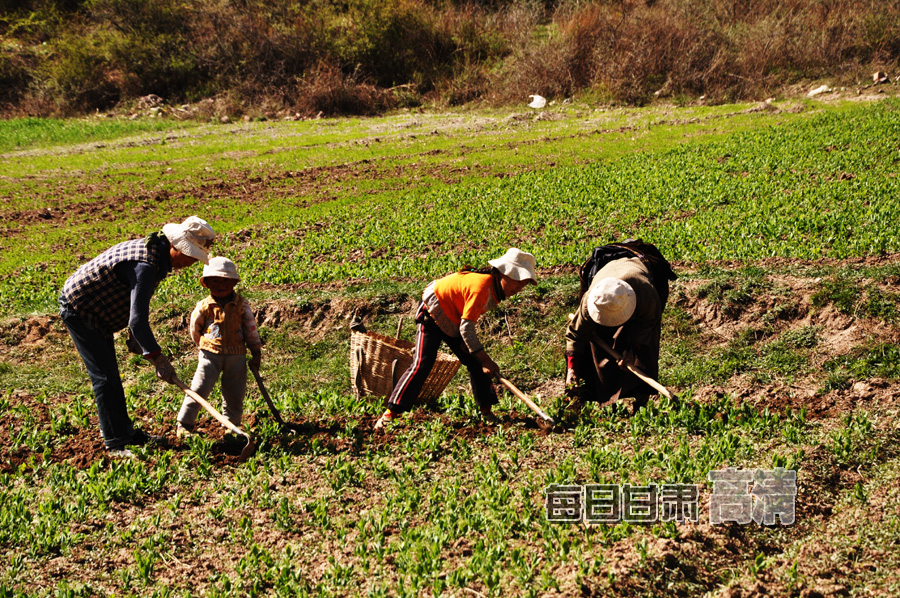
column 795, row 560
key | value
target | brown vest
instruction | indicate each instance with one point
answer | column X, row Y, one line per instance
column 224, row 334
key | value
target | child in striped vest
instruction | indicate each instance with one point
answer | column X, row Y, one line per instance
column 224, row 327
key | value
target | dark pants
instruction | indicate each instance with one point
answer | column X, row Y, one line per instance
column 428, row 340
column 98, row 352
column 605, row 381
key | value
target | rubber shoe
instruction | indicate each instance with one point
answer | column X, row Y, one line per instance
column 182, row 431
column 140, row 438
column 386, row 418
column 488, row 416
column 119, row 453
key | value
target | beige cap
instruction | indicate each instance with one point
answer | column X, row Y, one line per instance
column 193, row 237
column 515, row 263
column 221, row 267
column 611, row 302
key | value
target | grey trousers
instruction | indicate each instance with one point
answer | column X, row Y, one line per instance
column 234, row 386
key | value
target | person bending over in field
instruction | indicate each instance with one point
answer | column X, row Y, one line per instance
column 624, row 289
column 450, row 308
column 113, row 291
column 224, row 327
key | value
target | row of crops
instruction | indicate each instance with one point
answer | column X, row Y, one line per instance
column 823, row 186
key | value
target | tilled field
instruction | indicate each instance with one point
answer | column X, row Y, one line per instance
column 769, row 367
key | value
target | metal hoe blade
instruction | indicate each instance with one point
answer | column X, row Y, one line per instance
column 292, row 428
column 249, row 448
column 545, row 421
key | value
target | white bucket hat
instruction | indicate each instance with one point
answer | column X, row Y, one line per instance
column 517, row 264
column 193, row 237
column 611, row 302
column 221, row 267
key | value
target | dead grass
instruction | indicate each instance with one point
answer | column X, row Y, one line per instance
column 263, row 59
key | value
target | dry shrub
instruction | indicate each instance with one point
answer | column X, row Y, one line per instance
column 727, row 48
column 469, row 84
column 329, row 91
column 538, row 61
column 541, row 68
column 363, row 56
column 631, row 50
column 875, row 36
column 478, row 35
column 775, row 43
column 256, row 44
column 481, row 43
column 337, row 56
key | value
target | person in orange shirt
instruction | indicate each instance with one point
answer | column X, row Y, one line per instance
column 450, row 308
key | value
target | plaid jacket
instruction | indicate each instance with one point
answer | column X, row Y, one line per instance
column 96, row 293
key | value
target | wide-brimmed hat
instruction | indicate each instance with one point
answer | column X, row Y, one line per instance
column 221, row 267
column 517, row 264
column 611, row 302
column 193, row 237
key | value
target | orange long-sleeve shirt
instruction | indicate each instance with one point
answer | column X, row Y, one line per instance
column 465, row 295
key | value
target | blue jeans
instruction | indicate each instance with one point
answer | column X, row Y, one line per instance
column 98, row 352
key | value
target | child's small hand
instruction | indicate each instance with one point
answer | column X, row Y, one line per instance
column 255, row 361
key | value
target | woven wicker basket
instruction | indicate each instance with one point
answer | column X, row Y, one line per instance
column 377, row 362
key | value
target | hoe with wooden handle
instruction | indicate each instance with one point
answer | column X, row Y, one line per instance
column 546, row 422
column 632, row 368
column 292, row 428
column 249, row 448
column 595, row 338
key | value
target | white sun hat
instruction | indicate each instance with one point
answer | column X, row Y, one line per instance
column 221, row 267
column 517, row 264
column 193, row 237
column 611, row 302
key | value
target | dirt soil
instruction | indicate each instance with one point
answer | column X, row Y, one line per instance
column 784, row 302
column 44, row 338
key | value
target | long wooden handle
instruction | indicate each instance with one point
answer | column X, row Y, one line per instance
column 212, row 410
column 266, row 397
column 632, row 368
column 521, row 395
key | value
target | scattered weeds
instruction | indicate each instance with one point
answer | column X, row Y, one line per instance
column 442, row 503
